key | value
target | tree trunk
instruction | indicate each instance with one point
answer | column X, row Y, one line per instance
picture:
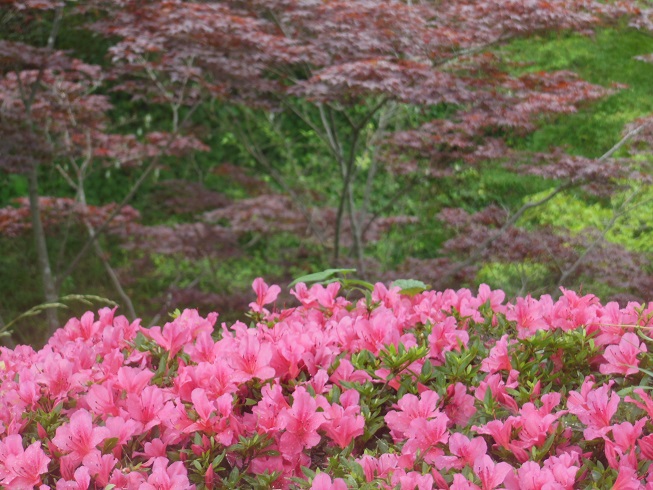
column 47, row 278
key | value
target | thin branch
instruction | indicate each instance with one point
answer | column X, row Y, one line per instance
column 262, row 160
column 132, row 192
column 623, row 141
column 476, row 254
column 368, row 117
column 306, row 120
column 393, row 199
column 513, row 219
column 384, row 119
column 623, row 210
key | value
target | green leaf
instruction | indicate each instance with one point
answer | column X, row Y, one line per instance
column 645, row 371
column 320, row 276
column 217, row 460
column 410, row 287
column 350, row 283
column 629, row 389
column 109, row 444
column 309, row 473
column 88, row 299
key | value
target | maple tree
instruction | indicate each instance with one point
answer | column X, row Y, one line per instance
column 52, row 115
column 406, row 90
column 336, row 65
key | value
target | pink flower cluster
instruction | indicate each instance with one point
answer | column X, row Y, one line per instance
column 321, row 394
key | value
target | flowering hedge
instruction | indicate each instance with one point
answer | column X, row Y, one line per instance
column 400, row 389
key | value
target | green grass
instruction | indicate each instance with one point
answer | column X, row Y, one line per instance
column 604, row 59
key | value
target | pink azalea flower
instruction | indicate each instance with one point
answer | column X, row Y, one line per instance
column 58, row 376
column 466, row 451
column 378, row 331
column 342, row 423
column 625, row 435
column 203, row 350
column 191, row 321
column 500, row 430
column 622, row 358
column 619, row 458
column 326, row 296
column 133, row 380
column 156, row 448
column 322, row 481
column 425, row 436
column 388, row 297
column 127, row 481
column 647, row 404
column 217, row 378
column 412, row 480
column 300, row 422
column 494, row 297
column 287, row 356
column 627, row 480
column 646, row 447
column 122, row 429
column 151, row 407
column 319, row 382
column 21, row 469
column 380, row 467
column 85, row 328
column 267, row 410
column 100, row 467
column 264, row 294
column 164, row 477
column 411, row 408
column 594, row 408
column 498, row 387
column 252, row 359
column 172, row 338
column 609, row 323
column 304, row 295
column 528, row 314
column 538, row 423
column 571, row 310
column 267, row 463
column 459, row 405
column 498, row 358
column 82, row 480
column 462, row 483
column 215, row 417
column 564, row 468
column 491, row 475
column 531, row 477
column 79, row 437
column 445, row 336
column 101, row 401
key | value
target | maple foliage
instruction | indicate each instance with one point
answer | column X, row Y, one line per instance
column 15, row 220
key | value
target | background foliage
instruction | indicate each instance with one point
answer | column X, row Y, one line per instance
column 176, row 194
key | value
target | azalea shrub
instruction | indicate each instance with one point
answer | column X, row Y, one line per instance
column 395, row 388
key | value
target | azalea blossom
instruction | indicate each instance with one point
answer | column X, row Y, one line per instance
column 622, row 358
column 300, row 423
column 264, row 294
column 21, row 468
column 300, row 386
column 322, row 481
column 80, row 436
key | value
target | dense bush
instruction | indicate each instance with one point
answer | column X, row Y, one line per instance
column 403, row 388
